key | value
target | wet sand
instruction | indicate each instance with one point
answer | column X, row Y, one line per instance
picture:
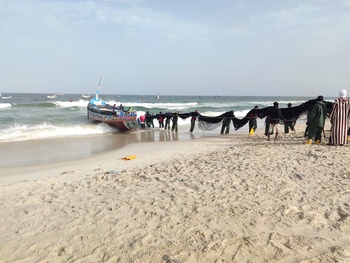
column 25, row 160
column 46, row 151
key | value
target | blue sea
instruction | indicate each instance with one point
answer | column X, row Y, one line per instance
column 30, row 116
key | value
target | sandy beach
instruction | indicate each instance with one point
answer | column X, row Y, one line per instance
column 230, row 198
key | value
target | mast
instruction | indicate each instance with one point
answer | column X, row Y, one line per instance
column 98, row 88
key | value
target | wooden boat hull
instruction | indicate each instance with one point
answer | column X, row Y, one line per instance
column 123, row 121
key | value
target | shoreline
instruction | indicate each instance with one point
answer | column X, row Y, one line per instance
column 146, row 142
column 55, row 150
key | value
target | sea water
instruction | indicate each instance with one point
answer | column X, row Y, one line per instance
column 36, row 129
column 29, row 116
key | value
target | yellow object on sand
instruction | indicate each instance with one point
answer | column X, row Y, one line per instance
column 130, row 157
column 251, row 132
column 308, row 141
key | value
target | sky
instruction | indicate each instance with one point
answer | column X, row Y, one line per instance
column 176, row 47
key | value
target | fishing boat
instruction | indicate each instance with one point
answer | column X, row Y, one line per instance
column 86, row 96
column 52, row 96
column 119, row 117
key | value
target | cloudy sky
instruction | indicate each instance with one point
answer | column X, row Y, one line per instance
column 176, row 47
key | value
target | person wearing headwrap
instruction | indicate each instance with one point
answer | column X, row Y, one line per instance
column 316, row 121
column 339, row 118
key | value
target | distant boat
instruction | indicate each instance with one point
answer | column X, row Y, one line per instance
column 86, row 96
column 52, row 96
column 158, row 97
column 6, row 97
column 216, row 97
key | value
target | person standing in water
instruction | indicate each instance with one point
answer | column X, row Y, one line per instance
column 225, row 128
column 175, row 120
column 167, row 121
column 193, row 120
column 161, row 120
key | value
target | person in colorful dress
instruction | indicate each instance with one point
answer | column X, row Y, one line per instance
column 339, row 118
column 161, row 120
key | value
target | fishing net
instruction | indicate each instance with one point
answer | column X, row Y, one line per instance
column 207, row 126
column 208, row 123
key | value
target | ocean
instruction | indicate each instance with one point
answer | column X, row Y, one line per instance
column 30, row 117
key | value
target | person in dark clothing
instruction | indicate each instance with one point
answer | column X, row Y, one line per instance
column 316, row 120
column 167, row 121
column 252, row 121
column 148, row 119
column 289, row 124
column 175, row 119
column 152, row 120
column 275, row 116
column 267, row 126
column 307, row 128
column 193, row 121
column 121, row 107
column 225, row 127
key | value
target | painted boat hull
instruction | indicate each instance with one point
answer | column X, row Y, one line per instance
column 123, row 121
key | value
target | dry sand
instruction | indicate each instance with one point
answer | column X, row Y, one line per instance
column 231, row 198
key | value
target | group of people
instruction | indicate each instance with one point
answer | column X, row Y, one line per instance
column 272, row 121
column 316, row 120
column 170, row 120
column 339, row 118
column 121, row 108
